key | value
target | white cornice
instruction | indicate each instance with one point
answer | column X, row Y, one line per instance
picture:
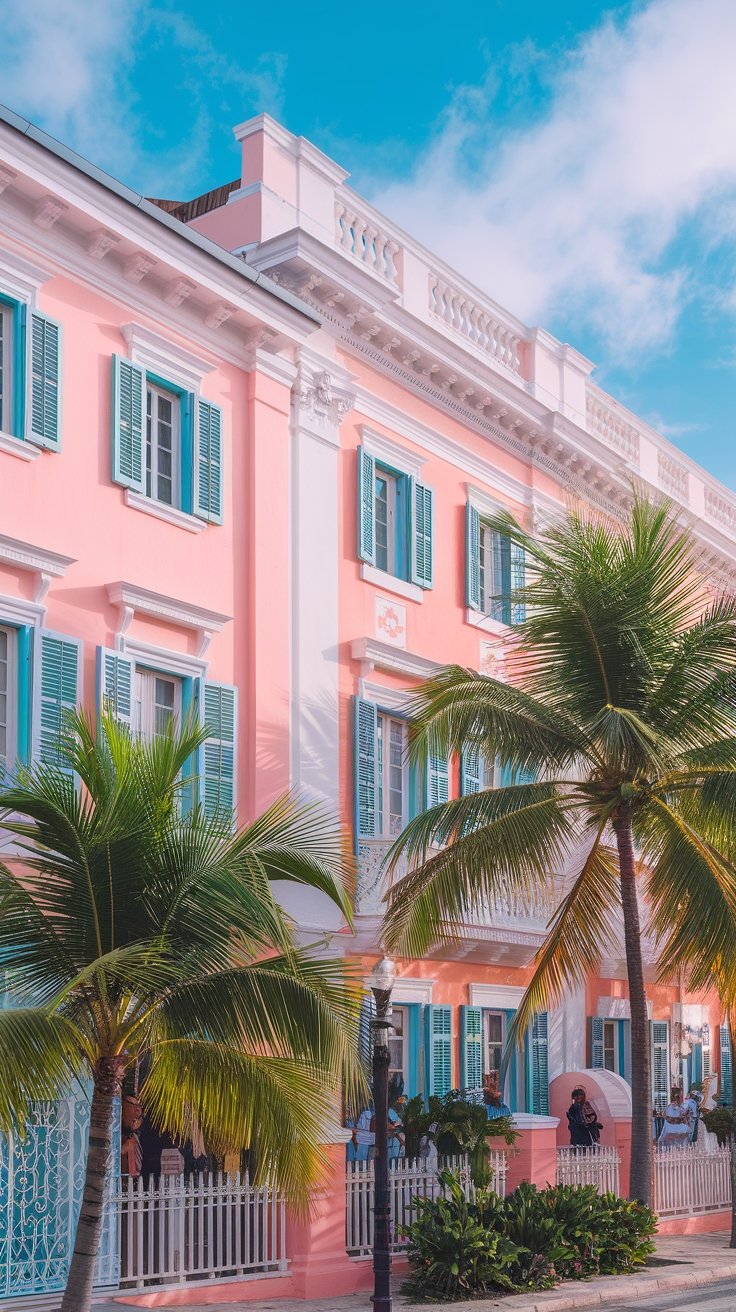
column 16, row 610
column 495, row 995
column 15, row 446
column 131, row 600
column 47, row 565
column 391, row 453
column 162, row 356
column 375, row 655
column 20, row 278
column 407, row 989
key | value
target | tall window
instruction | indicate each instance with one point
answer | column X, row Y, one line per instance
column 162, row 445
column 6, row 368
column 8, row 682
column 392, row 776
column 491, row 581
column 390, row 509
column 610, row 1054
column 398, row 1061
column 157, row 703
column 495, row 1035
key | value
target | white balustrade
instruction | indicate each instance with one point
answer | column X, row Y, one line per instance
column 472, row 322
column 361, row 237
column 198, row 1227
column 720, row 508
column 596, row 1165
column 673, row 477
column 612, row 428
column 408, row 1181
column 689, row 1180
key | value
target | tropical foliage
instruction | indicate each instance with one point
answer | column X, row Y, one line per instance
column 619, row 727
column 136, row 930
column 459, row 1127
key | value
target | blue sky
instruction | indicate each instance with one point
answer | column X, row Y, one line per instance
column 578, row 161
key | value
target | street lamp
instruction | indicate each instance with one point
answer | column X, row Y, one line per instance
column 382, row 982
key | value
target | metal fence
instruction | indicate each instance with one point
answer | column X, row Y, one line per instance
column 198, row 1227
column 408, row 1180
column 689, row 1181
column 596, row 1165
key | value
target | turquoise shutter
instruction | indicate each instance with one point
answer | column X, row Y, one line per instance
column 128, row 424
column 471, row 771
column 208, row 462
column 364, row 743
column 115, row 685
column 707, row 1067
column 472, row 557
column 44, row 381
column 595, row 1042
column 438, row 1049
column 366, row 507
column 660, row 1044
column 471, row 1048
column 219, row 749
column 518, row 579
column 726, row 1094
column 57, row 662
column 540, row 1064
column 421, row 539
column 437, row 777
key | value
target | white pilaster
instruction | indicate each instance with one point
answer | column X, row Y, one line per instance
column 568, row 1035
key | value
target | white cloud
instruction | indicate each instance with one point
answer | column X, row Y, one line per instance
column 578, row 211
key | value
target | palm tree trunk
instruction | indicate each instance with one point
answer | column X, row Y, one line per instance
column 640, row 1181
column 107, row 1084
column 730, row 1021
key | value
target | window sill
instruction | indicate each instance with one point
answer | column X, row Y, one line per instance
column 389, row 583
column 486, row 622
column 13, row 446
column 169, row 514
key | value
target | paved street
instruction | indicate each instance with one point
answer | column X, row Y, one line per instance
column 715, row 1298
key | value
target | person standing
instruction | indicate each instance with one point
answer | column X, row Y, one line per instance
column 582, row 1120
column 677, row 1122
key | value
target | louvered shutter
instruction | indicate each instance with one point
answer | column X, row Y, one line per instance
column 44, row 381
column 115, row 685
column 208, row 462
column 57, row 667
column 595, row 1042
column 660, row 1041
column 471, row 1049
column 539, row 1055
column 437, row 776
column 472, row 557
column 518, row 579
column 422, row 553
column 365, row 732
column 438, row 1049
column 128, row 424
column 707, row 1067
column 217, row 782
column 471, row 771
column 726, row 1094
column 366, row 507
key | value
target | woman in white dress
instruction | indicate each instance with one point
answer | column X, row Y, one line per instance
column 678, row 1123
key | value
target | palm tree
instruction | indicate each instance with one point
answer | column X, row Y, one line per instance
column 137, row 930
column 621, row 708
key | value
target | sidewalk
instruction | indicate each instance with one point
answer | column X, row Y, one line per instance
column 697, row 1260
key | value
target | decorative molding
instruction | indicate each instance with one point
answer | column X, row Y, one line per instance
column 46, row 565
column 497, row 996
column 614, row 1008
column 389, row 583
column 179, row 291
column 16, row 610
column 375, row 655
column 408, row 989
column 169, row 514
column 48, row 211
column 14, row 446
column 6, row 177
column 390, row 621
column 163, row 658
column 533, row 1121
column 219, row 314
column 389, row 699
column 131, row 599
column 20, row 278
column 138, row 266
column 387, row 452
column 276, row 367
column 486, row 623
column 101, row 243
column 164, row 357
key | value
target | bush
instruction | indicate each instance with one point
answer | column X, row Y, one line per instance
column 720, row 1122
column 460, row 1127
column 531, row 1240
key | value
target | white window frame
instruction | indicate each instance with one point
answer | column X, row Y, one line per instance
column 7, row 322
column 392, row 528
column 147, row 675
column 11, row 697
column 487, row 1014
column 383, row 812
column 403, row 1039
column 157, row 393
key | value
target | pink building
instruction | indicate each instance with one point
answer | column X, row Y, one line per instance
column 248, row 445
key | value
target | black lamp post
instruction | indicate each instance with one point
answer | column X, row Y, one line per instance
column 382, row 982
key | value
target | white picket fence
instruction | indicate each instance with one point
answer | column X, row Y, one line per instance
column 407, row 1181
column 596, row 1165
column 198, row 1227
column 688, row 1181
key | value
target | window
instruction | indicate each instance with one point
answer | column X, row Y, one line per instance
column 495, row 567
column 8, row 707
column 162, row 445
column 495, row 1023
column 391, row 776
column 395, row 514
column 398, row 1062
column 6, row 368
column 157, row 703
column 610, row 1054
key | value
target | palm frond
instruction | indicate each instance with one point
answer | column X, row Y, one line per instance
column 41, row 1054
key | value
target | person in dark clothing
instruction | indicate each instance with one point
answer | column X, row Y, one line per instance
column 584, row 1130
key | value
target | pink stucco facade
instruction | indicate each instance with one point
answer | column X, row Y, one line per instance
column 351, row 339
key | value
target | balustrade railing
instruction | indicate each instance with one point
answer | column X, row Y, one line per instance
column 596, row 1165
column 612, row 428
column 689, row 1181
column 198, row 1227
column 454, row 308
column 408, row 1180
column 360, row 236
column 673, row 477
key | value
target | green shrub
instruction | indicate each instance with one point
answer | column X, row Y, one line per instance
column 531, row 1240
column 720, row 1122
